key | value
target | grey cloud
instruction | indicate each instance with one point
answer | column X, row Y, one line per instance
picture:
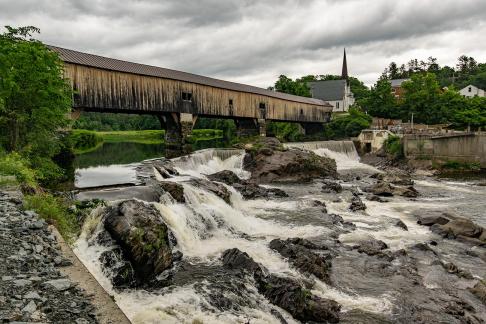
column 252, row 39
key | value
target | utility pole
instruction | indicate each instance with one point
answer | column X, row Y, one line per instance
column 412, row 123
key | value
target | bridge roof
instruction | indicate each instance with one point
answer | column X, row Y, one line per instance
column 101, row 62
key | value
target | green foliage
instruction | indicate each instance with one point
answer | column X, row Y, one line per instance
column 298, row 87
column 35, row 97
column 227, row 126
column 393, row 146
column 452, row 165
column 115, row 122
column 84, row 141
column 380, row 101
column 14, row 164
column 34, row 101
column 285, row 132
column 345, row 126
column 55, row 211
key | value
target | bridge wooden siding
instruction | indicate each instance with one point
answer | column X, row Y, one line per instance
column 108, row 85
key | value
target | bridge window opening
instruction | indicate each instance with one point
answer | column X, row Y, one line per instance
column 231, row 103
column 301, row 111
column 262, row 105
column 187, row 96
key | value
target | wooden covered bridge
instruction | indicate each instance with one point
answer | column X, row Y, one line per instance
column 104, row 84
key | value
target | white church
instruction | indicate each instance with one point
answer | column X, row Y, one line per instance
column 336, row 92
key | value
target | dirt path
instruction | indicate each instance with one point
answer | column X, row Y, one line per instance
column 107, row 311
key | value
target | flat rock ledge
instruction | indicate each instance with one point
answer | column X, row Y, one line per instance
column 32, row 287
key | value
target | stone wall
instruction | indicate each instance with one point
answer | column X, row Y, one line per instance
column 470, row 147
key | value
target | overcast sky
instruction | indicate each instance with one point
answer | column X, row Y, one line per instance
column 254, row 41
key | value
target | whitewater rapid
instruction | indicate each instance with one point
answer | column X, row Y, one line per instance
column 205, row 226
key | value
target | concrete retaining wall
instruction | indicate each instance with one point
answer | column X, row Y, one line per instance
column 469, row 148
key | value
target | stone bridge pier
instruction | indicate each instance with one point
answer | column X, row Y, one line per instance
column 178, row 130
column 310, row 129
column 246, row 127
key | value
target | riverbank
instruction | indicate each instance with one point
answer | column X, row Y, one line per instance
column 41, row 282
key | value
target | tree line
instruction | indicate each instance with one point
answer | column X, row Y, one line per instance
column 431, row 93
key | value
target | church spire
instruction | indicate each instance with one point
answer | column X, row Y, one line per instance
column 344, row 74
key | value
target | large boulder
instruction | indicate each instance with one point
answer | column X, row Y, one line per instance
column 268, row 162
column 247, row 189
column 386, row 189
column 299, row 253
column 458, row 227
column 143, row 237
column 397, row 177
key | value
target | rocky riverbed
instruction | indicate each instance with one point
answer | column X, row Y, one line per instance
column 32, row 289
column 234, row 242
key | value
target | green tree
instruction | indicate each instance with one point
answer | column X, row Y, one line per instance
column 380, row 102
column 297, row 87
column 35, row 99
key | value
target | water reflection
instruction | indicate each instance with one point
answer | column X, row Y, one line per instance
column 114, row 163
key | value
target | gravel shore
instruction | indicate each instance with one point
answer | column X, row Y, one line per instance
column 32, row 287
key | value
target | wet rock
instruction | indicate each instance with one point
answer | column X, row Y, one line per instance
column 386, row 189
column 371, row 247
column 401, row 224
column 277, row 164
column 248, row 190
column 142, row 235
column 376, row 198
column 165, row 168
column 357, row 204
column 300, row 256
column 431, row 220
column 226, row 176
column 299, row 302
column 398, row 177
column 479, row 290
column 383, row 189
column 176, row 190
column 236, row 259
column 458, row 227
column 331, row 187
column 285, row 292
column 216, row 188
column 117, row 268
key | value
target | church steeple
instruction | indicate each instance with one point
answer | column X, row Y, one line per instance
column 344, row 74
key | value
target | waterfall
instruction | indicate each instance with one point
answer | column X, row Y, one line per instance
column 210, row 161
column 343, row 152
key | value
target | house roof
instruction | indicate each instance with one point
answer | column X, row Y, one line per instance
column 398, row 82
column 329, row 90
column 80, row 58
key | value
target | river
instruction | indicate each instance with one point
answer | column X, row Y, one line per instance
column 368, row 289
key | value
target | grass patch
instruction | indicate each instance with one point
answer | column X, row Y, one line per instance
column 453, row 165
column 55, row 211
column 142, row 136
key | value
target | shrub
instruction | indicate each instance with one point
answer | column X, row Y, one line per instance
column 14, row 164
column 393, row 146
column 55, row 211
